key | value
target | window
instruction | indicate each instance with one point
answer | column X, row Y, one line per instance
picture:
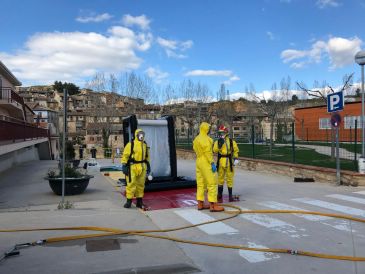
column 324, row 123
column 349, row 122
column 115, row 138
column 91, row 139
column 236, row 128
column 99, row 139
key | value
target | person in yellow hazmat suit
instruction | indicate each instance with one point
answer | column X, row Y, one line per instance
column 227, row 150
column 205, row 169
column 136, row 165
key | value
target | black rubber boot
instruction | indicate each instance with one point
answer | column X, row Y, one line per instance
column 128, row 203
column 220, row 192
column 230, row 194
column 139, row 203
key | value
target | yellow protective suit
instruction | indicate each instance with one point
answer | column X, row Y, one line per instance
column 205, row 178
column 224, row 170
column 135, row 184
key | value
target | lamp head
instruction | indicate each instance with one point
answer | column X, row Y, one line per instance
column 360, row 57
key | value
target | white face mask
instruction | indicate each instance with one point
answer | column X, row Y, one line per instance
column 140, row 136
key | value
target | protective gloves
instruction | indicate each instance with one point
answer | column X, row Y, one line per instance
column 235, row 162
column 125, row 170
column 214, row 168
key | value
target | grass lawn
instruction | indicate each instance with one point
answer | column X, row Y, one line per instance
column 303, row 156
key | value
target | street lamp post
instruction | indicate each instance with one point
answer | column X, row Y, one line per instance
column 360, row 59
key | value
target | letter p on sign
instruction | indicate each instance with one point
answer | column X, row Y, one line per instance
column 335, row 102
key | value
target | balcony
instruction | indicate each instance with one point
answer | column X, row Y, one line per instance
column 12, row 102
column 13, row 130
column 8, row 95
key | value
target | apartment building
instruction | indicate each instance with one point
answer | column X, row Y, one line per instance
column 314, row 123
column 20, row 139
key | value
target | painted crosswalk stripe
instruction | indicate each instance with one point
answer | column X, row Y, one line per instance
column 256, row 256
column 360, row 192
column 196, row 217
column 332, row 206
column 337, row 224
column 348, row 198
column 274, row 224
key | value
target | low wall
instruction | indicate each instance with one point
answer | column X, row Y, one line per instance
column 319, row 174
column 14, row 158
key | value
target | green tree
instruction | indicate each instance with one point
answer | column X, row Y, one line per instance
column 294, row 98
column 71, row 88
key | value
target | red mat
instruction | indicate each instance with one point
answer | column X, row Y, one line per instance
column 176, row 198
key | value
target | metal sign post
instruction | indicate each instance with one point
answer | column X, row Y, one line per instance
column 338, row 176
column 64, row 144
column 336, row 121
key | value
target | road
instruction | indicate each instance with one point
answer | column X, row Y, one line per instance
column 29, row 203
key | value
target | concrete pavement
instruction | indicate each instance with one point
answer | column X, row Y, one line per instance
column 27, row 201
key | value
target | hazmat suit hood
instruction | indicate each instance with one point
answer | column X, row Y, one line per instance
column 136, row 133
column 204, row 128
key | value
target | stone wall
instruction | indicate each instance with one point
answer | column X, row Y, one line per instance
column 319, row 174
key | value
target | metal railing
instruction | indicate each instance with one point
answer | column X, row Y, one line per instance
column 11, row 96
column 314, row 147
column 16, row 130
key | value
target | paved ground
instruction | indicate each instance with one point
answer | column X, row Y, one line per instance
column 326, row 150
column 26, row 201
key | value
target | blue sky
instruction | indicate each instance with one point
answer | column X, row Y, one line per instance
column 231, row 42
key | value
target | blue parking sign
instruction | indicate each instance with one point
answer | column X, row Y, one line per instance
column 335, row 102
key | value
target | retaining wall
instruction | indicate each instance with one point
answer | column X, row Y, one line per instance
column 319, row 174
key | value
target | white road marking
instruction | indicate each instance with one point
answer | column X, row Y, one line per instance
column 347, row 198
column 337, row 224
column 190, row 202
column 332, row 206
column 256, row 256
column 274, row 224
column 194, row 217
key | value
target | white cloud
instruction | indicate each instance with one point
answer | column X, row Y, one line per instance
column 173, row 48
column 186, row 45
column 199, row 72
column 220, row 73
column 270, row 35
column 231, row 80
column 141, row 21
column 340, row 52
column 157, row 75
column 167, row 44
column 72, row 56
column 327, row 3
column 94, row 18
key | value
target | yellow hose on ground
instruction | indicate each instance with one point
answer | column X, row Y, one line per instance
column 235, row 213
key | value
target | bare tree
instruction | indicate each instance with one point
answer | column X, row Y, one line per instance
column 104, row 104
column 190, row 103
column 274, row 106
column 169, row 94
column 135, row 86
column 322, row 92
